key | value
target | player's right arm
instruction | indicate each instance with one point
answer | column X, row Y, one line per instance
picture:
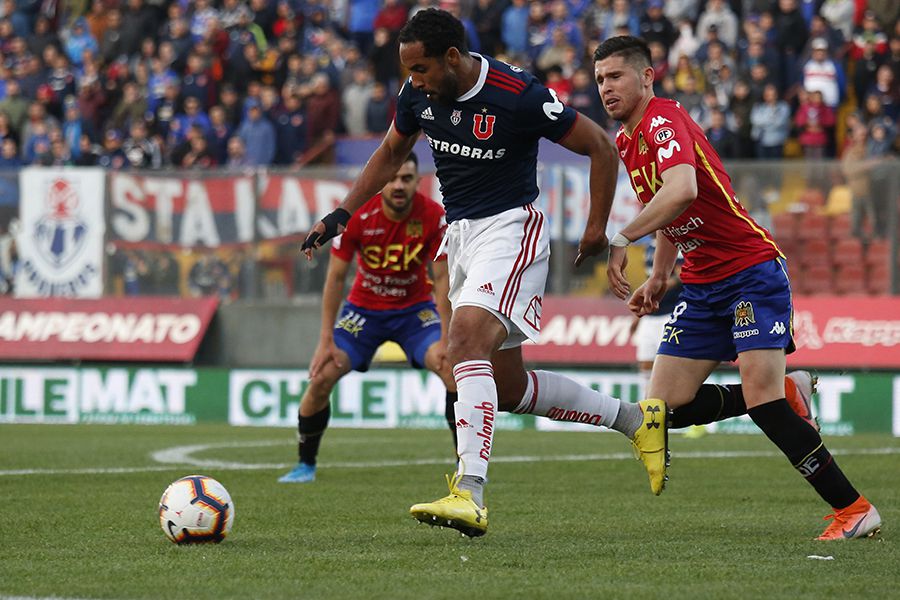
column 331, row 301
column 384, row 162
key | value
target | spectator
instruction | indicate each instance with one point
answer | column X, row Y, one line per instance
column 44, row 36
column 322, row 110
column 361, row 16
column 815, row 120
column 231, row 104
column 204, row 14
column 384, row 58
column 198, row 155
column 487, row 15
column 79, row 39
column 869, row 33
column 237, row 153
column 113, row 157
column 561, row 20
column 453, row 7
column 622, row 15
column 682, row 10
column 141, row 150
column 193, row 115
column 88, row 153
column 15, row 106
column 219, row 133
column 37, row 126
column 354, row 101
column 137, row 20
column 514, row 29
column 112, row 44
column 656, row 27
column 790, row 38
column 886, row 89
column 856, row 173
column 770, row 120
column 197, row 81
column 553, row 54
column 132, row 107
column 720, row 16
column 558, row 83
column 9, row 154
column 686, row 73
column 584, row 97
column 379, row 110
column 290, row 131
column 258, row 135
column 839, row 14
column 821, row 73
column 74, row 126
column 209, row 276
column 6, row 130
column 723, row 140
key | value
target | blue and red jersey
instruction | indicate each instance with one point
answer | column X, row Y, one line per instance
column 485, row 144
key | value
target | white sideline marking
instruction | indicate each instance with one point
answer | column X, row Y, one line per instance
column 38, row 598
column 181, row 456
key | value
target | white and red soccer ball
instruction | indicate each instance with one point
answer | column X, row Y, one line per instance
column 196, row 509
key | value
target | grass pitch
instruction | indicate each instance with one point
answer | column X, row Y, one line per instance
column 571, row 517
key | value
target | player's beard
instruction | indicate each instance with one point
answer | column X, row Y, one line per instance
column 398, row 209
column 448, row 90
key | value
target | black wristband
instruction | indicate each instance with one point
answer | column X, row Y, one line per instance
column 333, row 220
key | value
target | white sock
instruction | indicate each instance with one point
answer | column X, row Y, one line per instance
column 476, row 411
column 559, row 398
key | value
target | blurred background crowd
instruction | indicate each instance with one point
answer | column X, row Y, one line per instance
column 195, row 84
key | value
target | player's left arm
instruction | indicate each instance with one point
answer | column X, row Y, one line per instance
column 678, row 191
column 588, row 139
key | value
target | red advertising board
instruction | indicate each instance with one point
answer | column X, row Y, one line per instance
column 830, row 332
column 111, row 329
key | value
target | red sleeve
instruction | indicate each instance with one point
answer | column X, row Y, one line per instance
column 669, row 132
column 344, row 245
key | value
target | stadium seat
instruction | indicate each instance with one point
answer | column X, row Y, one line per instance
column 878, row 253
column 878, row 282
column 840, row 198
column 841, row 226
column 815, row 252
column 813, row 199
column 849, row 252
column 815, row 280
column 812, row 226
column 784, row 225
column 850, row 279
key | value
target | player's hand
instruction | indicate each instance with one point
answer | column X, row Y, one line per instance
column 615, row 271
column 440, row 353
column 331, row 225
column 647, row 297
column 591, row 244
column 326, row 352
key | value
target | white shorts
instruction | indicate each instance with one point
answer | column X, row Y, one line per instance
column 648, row 336
column 500, row 263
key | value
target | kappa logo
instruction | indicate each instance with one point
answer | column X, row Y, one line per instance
column 483, row 126
column 778, row 328
column 60, row 234
column 657, row 121
column 427, row 114
column 743, row 314
column 487, row 288
column 456, row 117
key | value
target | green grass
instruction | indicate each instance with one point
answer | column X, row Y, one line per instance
column 724, row 528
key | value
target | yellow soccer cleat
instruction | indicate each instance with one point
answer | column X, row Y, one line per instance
column 456, row 510
column 651, row 442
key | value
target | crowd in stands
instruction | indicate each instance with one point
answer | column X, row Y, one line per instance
column 196, row 84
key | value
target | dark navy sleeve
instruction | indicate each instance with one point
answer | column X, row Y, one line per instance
column 405, row 120
column 541, row 114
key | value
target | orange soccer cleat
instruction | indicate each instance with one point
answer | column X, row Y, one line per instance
column 799, row 387
column 860, row 519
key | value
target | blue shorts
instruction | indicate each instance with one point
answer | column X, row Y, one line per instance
column 751, row 310
column 359, row 332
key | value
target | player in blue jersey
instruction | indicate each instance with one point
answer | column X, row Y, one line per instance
column 483, row 120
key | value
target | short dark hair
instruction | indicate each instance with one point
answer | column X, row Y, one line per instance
column 413, row 159
column 438, row 31
column 634, row 50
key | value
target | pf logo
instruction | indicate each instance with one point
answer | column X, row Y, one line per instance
column 483, row 127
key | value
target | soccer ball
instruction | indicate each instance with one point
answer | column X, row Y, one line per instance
column 196, row 509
